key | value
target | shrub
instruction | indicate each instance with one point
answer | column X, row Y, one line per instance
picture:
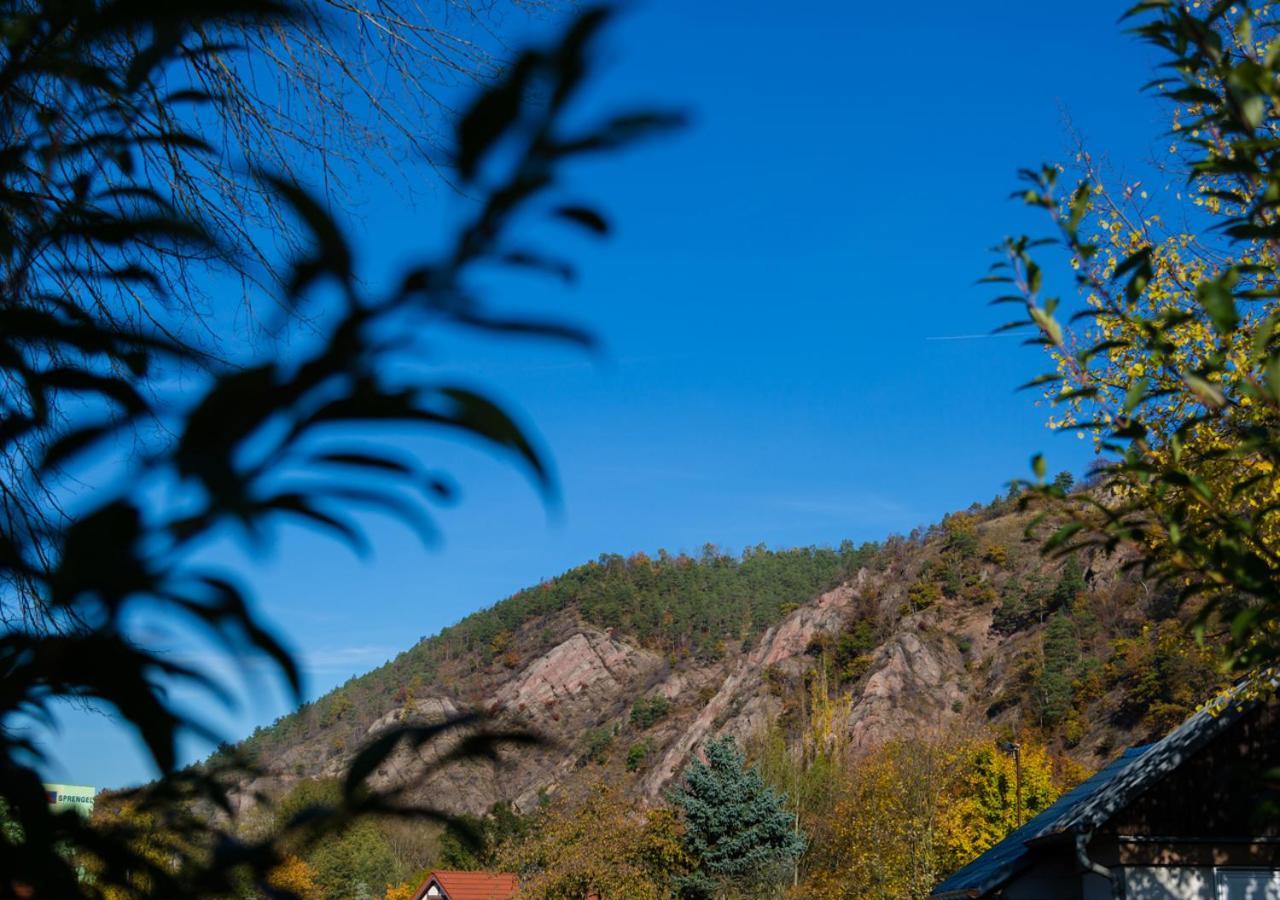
column 636, row 755
column 961, row 534
column 649, row 710
column 856, row 667
column 597, row 743
column 996, row 554
column 981, row 595
column 499, row 643
column 855, row 643
column 923, row 594
column 1072, row 729
column 775, row 680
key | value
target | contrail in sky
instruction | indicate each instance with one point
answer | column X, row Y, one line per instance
column 977, row 337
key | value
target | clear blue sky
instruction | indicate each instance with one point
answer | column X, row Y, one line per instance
column 769, row 307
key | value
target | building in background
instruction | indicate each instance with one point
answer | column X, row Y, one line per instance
column 445, row 885
column 71, row 796
column 1194, row 816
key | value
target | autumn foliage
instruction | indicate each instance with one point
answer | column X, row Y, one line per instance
column 604, row 846
column 913, row 811
column 295, row 876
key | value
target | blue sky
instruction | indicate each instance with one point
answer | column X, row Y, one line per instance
column 779, row 310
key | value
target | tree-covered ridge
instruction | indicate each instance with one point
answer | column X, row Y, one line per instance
column 1085, row 646
column 684, row 606
column 681, row 604
column 1069, row 658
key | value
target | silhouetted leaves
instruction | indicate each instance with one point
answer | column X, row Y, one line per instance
column 263, row 442
column 587, row 218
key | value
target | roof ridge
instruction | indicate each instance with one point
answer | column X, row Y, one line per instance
column 1090, row 804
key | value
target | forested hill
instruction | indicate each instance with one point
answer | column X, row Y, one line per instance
column 689, row 608
column 626, row 664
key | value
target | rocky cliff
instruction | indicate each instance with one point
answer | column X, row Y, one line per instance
column 955, row 629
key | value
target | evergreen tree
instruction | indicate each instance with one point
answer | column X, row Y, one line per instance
column 1061, row 654
column 736, row 828
column 1071, row 583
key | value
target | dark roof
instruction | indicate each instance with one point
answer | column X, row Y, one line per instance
column 1091, row 803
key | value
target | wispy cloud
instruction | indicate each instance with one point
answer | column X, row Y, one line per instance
column 342, row 658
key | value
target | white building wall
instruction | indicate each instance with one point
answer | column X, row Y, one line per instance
column 1168, row 883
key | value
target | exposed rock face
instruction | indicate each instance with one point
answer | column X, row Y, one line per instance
column 933, row 670
column 589, row 666
column 590, row 680
column 740, row 707
column 912, row 689
column 421, row 765
column 583, row 682
column 428, row 711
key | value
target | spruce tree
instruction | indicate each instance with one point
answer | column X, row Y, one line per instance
column 737, row 828
column 1061, row 655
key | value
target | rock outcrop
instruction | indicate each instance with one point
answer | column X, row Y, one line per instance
column 921, row 665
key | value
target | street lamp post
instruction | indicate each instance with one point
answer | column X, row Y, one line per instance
column 1016, row 749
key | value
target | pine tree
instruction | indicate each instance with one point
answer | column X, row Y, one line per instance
column 1061, row 655
column 736, row 827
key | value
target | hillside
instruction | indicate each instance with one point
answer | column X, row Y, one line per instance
column 625, row 665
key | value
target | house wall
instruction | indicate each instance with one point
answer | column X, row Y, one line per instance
column 1057, row 877
column 1096, row 887
column 1217, row 809
column 1210, row 812
column 1168, row 882
column 1053, row 877
column 1216, row 798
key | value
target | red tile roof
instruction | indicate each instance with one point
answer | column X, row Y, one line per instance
column 471, row 885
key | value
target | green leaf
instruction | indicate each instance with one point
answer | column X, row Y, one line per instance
column 1210, row 394
column 1137, row 391
column 1272, row 377
column 1253, row 108
column 1047, row 378
column 1063, row 534
column 1262, row 335
column 1199, row 485
column 1038, row 467
column 1048, row 324
column 1217, row 298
